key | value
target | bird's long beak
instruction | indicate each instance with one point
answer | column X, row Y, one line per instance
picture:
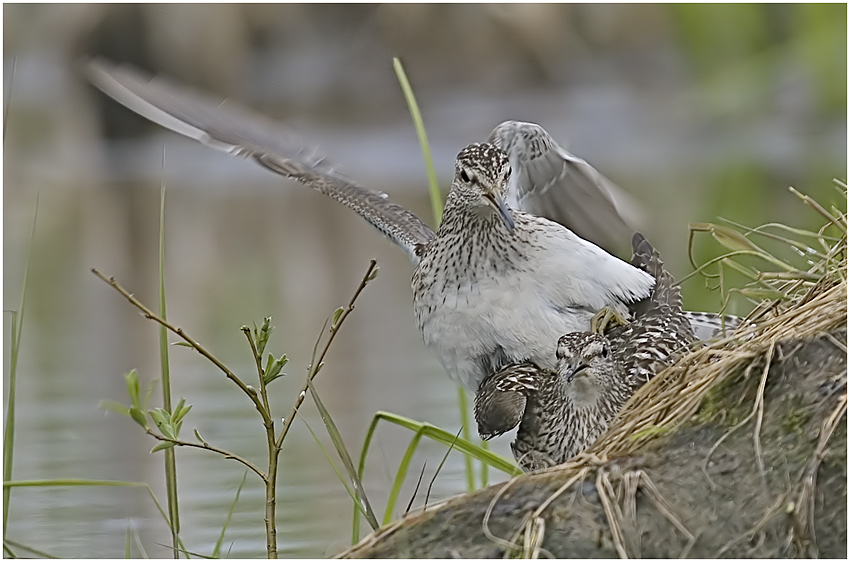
column 574, row 370
column 504, row 213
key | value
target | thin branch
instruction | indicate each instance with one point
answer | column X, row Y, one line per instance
column 207, row 447
column 316, row 365
column 259, row 361
column 151, row 315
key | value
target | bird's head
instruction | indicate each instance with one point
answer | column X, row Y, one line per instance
column 585, row 356
column 482, row 172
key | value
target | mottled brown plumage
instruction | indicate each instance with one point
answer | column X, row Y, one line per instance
column 565, row 411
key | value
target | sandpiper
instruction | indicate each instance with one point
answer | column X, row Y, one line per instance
column 562, row 412
column 493, row 286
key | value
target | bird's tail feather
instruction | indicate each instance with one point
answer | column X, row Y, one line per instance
column 646, row 258
column 708, row 325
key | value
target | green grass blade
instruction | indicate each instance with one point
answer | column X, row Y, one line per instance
column 58, row 482
column 8, row 98
column 14, row 349
column 463, row 406
column 338, row 472
column 437, row 209
column 38, row 553
column 400, row 475
column 485, row 469
column 216, row 553
column 420, row 429
column 439, row 435
column 9, row 433
column 437, row 472
column 138, row 540
column 361, row 467
column 433, row 186
column 460, row 444
column 170, row 453
column 342, row 451
column 53, row 482
column 128, row 550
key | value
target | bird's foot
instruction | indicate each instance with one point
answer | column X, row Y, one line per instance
column 605, row 317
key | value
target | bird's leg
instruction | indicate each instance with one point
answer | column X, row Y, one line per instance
column 600, row 321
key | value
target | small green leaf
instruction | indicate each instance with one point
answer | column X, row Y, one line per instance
column 148, row 393
column 181, row 413
column 161, row 446
column 138, row 416
column 269, row 379
column 199, row 438
column 182, row 344
column 168, row 430
column 337, row 313
column 132, row 380
column 762, row 293
column 263, row 336
column 373, row 274
column 116, row 407
column 274, row 370
column 160, row 417
column 733, row 239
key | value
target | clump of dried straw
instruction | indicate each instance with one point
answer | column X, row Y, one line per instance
column 811, row 302
column 796, row 303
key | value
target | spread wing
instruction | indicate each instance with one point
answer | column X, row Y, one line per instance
column 242, row 133
column 550, row 182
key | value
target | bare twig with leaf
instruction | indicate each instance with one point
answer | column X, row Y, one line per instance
column 169, row 423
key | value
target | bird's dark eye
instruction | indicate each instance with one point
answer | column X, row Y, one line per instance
column 464, row 176
column 605, row 352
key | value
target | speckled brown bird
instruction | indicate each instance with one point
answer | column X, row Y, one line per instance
column 562, row 412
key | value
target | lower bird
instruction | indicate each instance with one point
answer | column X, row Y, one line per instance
column 562, row 412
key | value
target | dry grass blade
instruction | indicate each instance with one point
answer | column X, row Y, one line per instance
column 662, row 505
column 612, row 512
column 509, row 546
column 804, row 512
column 342, row 451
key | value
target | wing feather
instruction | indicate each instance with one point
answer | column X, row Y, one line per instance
column 245, row 134
column 550, row 182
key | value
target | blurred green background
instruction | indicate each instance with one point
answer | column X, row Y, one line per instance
column 698, row 111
